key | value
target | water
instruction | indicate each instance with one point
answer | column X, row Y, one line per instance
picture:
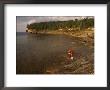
column 37, row 53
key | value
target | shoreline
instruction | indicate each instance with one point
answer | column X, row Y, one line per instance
column 81, row 64
column 85, row 36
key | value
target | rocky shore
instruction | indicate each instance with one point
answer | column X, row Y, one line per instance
column 80, row 64
column 85, row 36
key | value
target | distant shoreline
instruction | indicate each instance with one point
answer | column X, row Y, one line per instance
column 85, row 36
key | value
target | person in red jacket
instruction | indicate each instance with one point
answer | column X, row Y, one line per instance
column 70, row 54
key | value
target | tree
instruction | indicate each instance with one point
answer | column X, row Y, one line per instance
column 80, row 24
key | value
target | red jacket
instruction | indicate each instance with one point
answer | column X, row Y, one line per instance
column 70, row 53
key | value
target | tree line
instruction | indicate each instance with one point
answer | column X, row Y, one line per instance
column 77, row 24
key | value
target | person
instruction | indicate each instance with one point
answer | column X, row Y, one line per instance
column 70, row 54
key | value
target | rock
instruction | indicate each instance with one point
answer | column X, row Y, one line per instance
column 34, row 31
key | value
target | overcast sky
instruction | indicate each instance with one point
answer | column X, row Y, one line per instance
column 22, row 21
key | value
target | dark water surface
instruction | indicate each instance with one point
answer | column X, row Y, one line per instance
column 36, row 53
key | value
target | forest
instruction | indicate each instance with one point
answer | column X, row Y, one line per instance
column 77, row 24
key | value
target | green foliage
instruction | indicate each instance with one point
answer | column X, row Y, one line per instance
column 65, row 25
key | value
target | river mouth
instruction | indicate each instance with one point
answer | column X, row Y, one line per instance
column 47, row 54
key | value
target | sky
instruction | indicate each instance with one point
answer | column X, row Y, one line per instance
column 22, row 21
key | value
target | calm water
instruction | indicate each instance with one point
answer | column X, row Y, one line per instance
column 36, row 53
